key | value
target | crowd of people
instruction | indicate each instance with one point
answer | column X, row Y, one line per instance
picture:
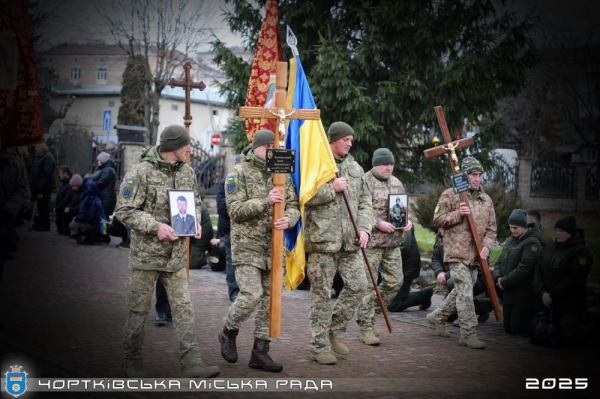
column 530, row 276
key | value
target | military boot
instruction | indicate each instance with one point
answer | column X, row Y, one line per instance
column 472, row 342
column 135, row 370
column 324, row 358
column 439, row 327
column 338, row 346
column 228, row 348
column 260, row 358
column 369, row 338
column 201, row 370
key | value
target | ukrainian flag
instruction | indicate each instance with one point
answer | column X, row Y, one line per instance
column 315, row 166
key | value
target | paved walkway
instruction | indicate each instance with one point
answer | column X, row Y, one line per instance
column 64, row 310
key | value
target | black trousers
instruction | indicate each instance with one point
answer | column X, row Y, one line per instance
column 43, row 207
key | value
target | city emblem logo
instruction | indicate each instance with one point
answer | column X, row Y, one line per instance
column 16, row 381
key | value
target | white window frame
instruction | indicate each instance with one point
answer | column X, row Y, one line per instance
column 75, row 74
column 101, row 75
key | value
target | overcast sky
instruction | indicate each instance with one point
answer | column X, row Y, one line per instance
column 80, row 22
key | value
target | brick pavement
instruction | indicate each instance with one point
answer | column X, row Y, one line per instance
column 64, row 310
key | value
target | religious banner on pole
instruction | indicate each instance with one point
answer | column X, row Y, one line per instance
column 268, row 53
column 20, row 99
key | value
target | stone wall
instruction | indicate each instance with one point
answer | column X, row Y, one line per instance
column 578, row 203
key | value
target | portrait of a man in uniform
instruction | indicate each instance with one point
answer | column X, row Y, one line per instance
column 184, row 220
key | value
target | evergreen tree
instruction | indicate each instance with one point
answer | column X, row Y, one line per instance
column 382, row 66
column 135, row 75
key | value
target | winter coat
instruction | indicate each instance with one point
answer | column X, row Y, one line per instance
column 246, row 189
column 459, row 245
column 380, row 191
column 90, row 209
column 562, row 272
column 515, row 268
column 143, row 205
column 224, row 224
column 64, row 195
column 43, row 174
column 105, row 178
column 327, row 225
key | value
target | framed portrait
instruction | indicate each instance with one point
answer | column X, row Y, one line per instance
column 398, row 210
column 182, row 209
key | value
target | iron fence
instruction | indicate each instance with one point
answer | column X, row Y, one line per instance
column 209, row 168
column 592, row 183
column 552, row 179
column 504, row 175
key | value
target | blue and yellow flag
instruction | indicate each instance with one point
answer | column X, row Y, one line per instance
column 315, row 166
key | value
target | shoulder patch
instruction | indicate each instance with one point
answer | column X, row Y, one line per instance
column 126, row 193
column 230, row 184
column 129, row 181
column 437, row 208
column 534, row 249
column 582, row 261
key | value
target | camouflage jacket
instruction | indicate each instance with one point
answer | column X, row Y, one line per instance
column 458, row 242
column 327, row 225
column 380, row 191
column 246, row 189
column 143, row 205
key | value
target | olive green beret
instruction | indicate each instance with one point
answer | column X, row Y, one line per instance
column 173, row 137
column 339, row 130
column 470, row 165
column 383, row 156
column 263, row 137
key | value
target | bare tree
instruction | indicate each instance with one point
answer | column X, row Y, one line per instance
column 166, row 34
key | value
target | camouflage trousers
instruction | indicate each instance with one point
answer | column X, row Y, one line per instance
column 325, row 323
column 388, row 262
column 460, row 299
column 139, row 299
column 255, row 294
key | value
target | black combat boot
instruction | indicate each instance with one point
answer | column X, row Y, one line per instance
column 260, row 358
column 228, row 348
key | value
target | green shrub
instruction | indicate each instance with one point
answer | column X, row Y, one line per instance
column 504, row 204
column 425, row 206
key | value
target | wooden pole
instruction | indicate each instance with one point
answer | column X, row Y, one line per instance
column 278, row 211
column 367, row 263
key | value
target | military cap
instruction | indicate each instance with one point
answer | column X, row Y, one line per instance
column 470, row 165
column 173, row 137
column 263, row 137
column 568, row 224
column 383, row 156
column 518, row 217
column 339, row 130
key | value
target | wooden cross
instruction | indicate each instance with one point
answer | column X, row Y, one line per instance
column 280, row 113
column 188, row 85
column 450, row 149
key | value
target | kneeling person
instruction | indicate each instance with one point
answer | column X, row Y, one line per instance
column 250, row 194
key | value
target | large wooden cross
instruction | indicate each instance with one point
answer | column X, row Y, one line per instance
column 280, row 113
column 188, row 85
column 450, row 149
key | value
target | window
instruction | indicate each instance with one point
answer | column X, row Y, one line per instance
column 174, row 107
column 215, row 112
column 111, row 104
column 75, row 74
column 101, row 76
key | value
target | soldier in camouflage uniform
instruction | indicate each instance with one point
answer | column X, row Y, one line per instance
column 383, row 248
column 331, row 243
column 460, row 251
column 250, row 194
column 156, row 252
